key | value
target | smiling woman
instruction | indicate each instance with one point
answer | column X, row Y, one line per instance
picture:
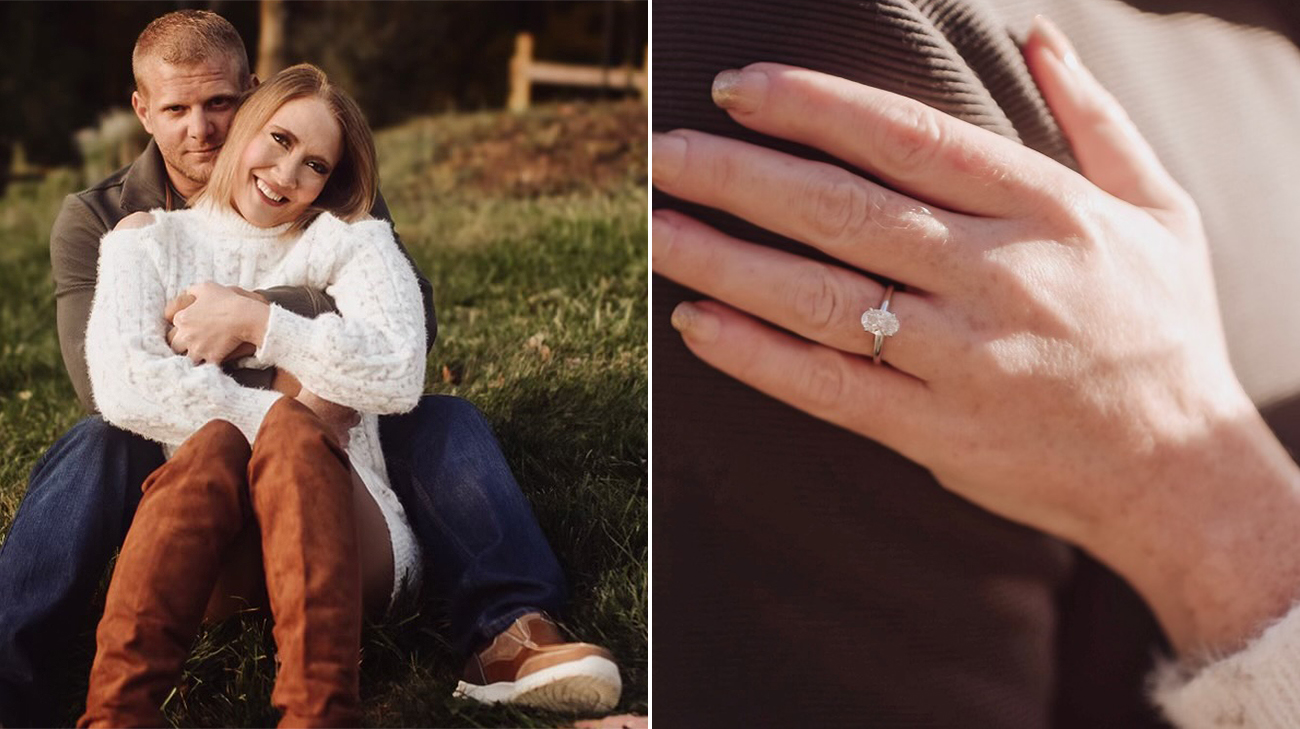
column 300, row 146
column 298, row 165
column 283, row 170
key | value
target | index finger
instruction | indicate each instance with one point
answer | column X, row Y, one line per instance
column 176, row 304
column 911, row 147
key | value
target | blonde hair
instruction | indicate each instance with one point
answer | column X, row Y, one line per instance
column 353, row 183
column 187, row 37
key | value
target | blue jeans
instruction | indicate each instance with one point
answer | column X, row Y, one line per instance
column 484, row 550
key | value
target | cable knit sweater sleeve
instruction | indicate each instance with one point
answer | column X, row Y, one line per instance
column 139, row 384
column 371, row 355
column 1257, row 687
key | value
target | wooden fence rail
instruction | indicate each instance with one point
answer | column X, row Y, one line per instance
column 525, row 71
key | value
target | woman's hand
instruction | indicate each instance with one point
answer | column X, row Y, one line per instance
column 1060, row 359
column 215, row 323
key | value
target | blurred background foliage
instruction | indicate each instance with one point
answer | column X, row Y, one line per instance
column 67, row 64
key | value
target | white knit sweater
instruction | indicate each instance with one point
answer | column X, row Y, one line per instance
column 1255, row 688
column 369, row 357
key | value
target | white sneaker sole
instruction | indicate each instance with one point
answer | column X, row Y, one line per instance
column 587, row 685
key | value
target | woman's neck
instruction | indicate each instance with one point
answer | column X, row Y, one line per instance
column 228, row 219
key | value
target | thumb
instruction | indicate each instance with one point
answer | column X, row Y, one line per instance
column 1110, row 149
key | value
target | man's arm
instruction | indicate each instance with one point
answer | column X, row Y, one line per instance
column 314, row 302
column 74, row 253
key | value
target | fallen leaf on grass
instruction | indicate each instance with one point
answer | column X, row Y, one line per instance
column 537, row 342
column 451, row 375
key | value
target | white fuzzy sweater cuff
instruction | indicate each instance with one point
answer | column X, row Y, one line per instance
column 283, row 328
column 1257, row 687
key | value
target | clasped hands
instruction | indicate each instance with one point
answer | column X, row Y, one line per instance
column 1060, row 360
column 211, row 323
column 214, row 323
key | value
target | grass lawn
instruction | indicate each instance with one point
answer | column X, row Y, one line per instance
column 532, row 229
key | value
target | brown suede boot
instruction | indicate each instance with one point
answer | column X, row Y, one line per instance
column 302, row 499
column 192, row 508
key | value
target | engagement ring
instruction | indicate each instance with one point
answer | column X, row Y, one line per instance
column 880, row 322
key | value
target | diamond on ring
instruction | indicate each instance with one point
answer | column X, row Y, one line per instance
column 881, row 322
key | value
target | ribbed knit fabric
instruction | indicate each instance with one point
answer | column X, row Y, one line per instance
column 1258, row 687
column 832, row 578
column 371, row 358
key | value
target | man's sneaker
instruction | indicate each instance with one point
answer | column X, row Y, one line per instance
column 529, row 663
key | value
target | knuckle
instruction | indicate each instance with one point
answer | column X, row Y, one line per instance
column 824, row 384
column 895, row 213
column 1073, row 214
column 834, row 204
column 716, row 167
column 666, row 233
column 912, row 138
column 1184, row 205
column 816, row 301
column 1094, row 116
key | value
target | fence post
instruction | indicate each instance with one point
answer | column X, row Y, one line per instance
column 642, row 80
column 520, row 83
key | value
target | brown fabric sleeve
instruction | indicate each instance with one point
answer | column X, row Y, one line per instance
column 74, row 255
column 300, row 300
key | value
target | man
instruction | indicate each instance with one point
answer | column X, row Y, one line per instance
column 486, row 552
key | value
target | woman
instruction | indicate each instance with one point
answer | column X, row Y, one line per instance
column 286, row 204
column 1052, row 352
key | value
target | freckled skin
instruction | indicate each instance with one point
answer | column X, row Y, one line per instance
column 1059, row 361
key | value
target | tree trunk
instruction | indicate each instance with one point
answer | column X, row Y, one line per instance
column 270, row 41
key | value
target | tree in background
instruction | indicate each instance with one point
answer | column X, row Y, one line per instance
column 66, row 63
column 270, row 41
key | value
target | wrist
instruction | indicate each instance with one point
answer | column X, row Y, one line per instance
column 253, row 320
column 1209, row 542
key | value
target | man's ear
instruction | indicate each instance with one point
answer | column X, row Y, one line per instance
column 252, row 81
column 141, row 110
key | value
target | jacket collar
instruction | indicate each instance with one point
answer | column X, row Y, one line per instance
column 145, row 186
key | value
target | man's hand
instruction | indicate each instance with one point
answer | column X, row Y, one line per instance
column 338, row 418
column 215, row 323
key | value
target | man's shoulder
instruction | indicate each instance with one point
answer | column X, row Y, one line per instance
column 84, row 218
column 111, row 184
column 137, row 187
column 103, row 199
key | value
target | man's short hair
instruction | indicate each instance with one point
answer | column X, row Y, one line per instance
column 187, row 37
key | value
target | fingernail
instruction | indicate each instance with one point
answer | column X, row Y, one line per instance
column 740, row 90
column 1056, row 42
column 694, row 323
column 668, row 154
column 661, row 234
